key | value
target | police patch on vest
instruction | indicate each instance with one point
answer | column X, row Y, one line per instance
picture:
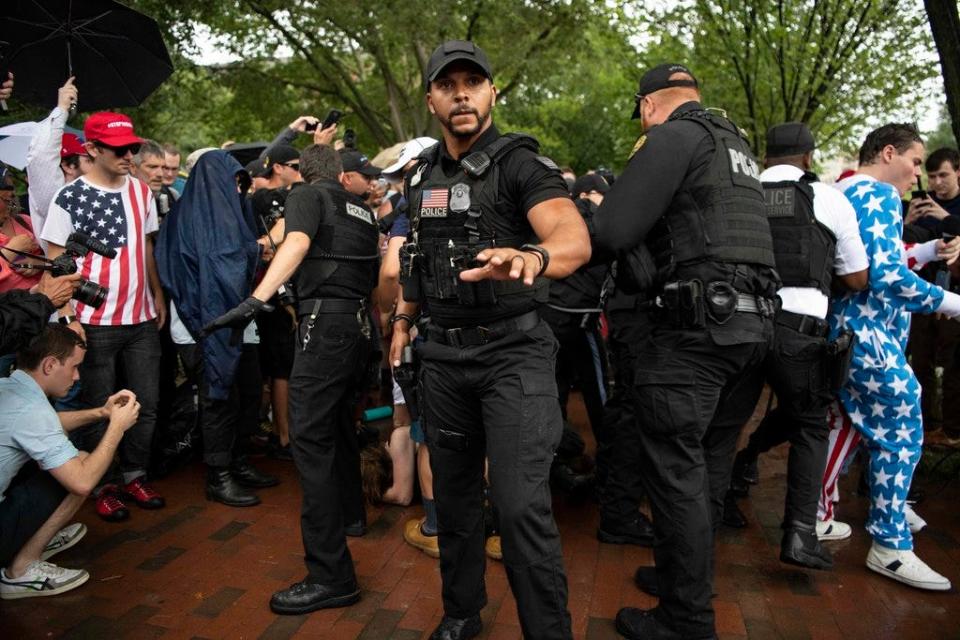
column 460, row 197
column 360, row 212
column 433, row 203
column 742, row 164
column 779, row 202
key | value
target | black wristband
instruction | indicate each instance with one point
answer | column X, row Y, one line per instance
column 402, row 316
column 540, row 251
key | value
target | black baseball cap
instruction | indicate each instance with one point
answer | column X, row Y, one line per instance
column 589, row 182
column 278, row 154
column 256, row 168
column 451, row 51
column 356, row 161
column 789, row 139
column 659, row 78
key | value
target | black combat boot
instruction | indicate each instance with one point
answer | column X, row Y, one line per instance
column 249, row 476
column 223, row 488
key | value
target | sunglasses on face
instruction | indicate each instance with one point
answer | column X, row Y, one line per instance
column 120, row 152
column 292, row 165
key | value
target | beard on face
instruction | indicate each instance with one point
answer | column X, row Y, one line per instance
column 447, row 121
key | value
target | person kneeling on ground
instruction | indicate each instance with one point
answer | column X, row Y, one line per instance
column 37, row 503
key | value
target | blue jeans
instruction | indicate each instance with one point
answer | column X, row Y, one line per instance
column 135, row 349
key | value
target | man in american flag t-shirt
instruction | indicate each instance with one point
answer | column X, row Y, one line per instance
column 119, row 210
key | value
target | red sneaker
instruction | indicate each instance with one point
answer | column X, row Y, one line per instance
column 143, row 494
column 109, row 506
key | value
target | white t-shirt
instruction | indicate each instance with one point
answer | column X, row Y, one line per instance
column 835, row 212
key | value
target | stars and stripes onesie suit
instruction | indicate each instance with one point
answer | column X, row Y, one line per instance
column 881, row 398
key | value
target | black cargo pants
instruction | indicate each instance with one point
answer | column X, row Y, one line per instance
column 328, row 371
column 621, row 486
column 497, row 401
column 796, row 370
column 691, row 397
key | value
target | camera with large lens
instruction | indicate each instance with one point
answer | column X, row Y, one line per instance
column 79, row 245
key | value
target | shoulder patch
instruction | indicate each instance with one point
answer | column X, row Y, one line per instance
column 548, row 163
column 642, row 140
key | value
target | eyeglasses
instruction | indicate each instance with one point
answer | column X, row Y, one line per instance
column 292, row 165
column 120, row 152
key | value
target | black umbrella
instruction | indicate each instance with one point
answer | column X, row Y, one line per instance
column 116, row 53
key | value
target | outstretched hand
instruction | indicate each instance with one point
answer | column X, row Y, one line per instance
column 504, row 264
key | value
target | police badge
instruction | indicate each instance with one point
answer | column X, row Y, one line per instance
column 460, row 198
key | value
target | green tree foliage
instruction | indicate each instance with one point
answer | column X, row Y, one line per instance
column 837, row 65
column 566, row 70
column 367, row 58
column 942, row 136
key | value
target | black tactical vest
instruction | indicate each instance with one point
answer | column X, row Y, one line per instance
column 804, row 247
column 347, row 244
column 454, row 218
column 719, row 216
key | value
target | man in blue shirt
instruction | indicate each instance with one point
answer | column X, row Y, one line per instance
column 37, row 501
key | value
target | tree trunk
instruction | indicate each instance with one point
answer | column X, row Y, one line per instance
column 945, row 25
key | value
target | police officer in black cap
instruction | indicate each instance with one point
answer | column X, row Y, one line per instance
column 332, row 244
column 490, row 220
column 815, row 237
column 687, row 220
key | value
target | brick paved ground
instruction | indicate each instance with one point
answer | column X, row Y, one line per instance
column 199, row 569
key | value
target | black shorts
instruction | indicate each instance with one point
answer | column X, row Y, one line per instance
column 277, row 343
column 30, row 500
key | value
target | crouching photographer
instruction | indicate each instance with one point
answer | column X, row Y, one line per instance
column 38, row 500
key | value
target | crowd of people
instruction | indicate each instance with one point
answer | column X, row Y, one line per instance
column 469, row 285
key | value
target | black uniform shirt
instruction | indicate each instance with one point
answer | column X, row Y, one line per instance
column 304, row 212
column 525, row 181
column 671, row 154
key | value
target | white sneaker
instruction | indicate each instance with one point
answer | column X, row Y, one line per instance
column 64, row 539
column 41, row 579
column 833, row 530
column 906, row 567
column 914, row 521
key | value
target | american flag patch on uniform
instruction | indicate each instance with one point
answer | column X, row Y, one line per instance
column 435, row 198
column 433, row 204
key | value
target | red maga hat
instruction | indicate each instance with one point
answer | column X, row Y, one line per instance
column 71, row 145
column 111, row 129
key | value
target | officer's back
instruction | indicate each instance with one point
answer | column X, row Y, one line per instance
column 687, row 221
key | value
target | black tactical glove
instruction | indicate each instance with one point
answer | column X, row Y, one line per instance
column 237, row 318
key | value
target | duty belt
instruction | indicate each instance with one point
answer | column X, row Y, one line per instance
column 461, row 337
column 807, row 325
column 316, row 306
column 313, row 307
column 749, row 303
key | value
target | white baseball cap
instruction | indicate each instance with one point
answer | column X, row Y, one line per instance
column 411, row 150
